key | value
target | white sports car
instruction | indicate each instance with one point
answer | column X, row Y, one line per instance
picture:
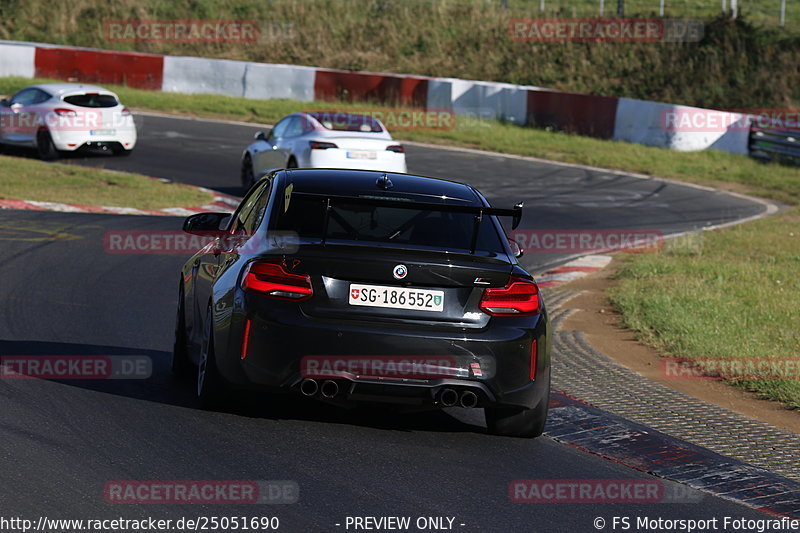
column 64, row 117
column 323, row 140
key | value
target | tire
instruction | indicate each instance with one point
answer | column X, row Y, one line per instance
column 210, row 387
column 519, row 421
column 44, row 146
column 121, row 152
column 181, row 365
column 248, row 177
column 292, row 163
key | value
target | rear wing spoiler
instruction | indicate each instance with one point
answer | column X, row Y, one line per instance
column 400, row 203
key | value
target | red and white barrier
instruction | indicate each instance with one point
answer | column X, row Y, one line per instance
column 17, row 60
column 621, row 119
column 681, row 128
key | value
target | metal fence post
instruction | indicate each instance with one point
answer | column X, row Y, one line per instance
column 783, row 13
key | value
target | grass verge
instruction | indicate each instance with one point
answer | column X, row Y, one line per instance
column 732, row 293
column 24, row 179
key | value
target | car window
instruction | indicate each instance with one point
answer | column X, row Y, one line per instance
column 347, row 122
column 279, row 130
column 294, row 128
column 307, row 124
column 412, row 228
column 92, row 100
column 242, row 221
column 41, row 96
column 253, row 219
column 25, row 97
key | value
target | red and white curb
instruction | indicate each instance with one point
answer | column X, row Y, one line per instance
column 222, row 203
column 573, row 270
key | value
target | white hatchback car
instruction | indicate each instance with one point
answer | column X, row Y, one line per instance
column 323, row 140
column 64, row 117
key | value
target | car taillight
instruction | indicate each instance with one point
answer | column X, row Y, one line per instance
column 317, row 145
column 396, row 148
column 126, row 112
column 519, row 297
column 272, row 280
column 62, row 112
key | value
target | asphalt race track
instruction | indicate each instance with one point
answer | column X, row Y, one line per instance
column 556, row 197
column 65, row 295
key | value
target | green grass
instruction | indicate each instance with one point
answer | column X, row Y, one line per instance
column 25, row 179
column 750, row 63
column 708, row 167
column 728, row 294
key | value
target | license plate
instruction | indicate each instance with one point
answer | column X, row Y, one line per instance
column 362, row 155
column 396, row 297
column 102, row 132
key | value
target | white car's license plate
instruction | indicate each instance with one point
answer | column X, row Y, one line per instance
column 396, row 297
column 362, row 155
column 102, row 132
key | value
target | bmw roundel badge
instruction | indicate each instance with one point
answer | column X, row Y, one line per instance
column 400, row 271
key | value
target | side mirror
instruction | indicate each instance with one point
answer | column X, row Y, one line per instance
column 205, row 223
column 261, row 136
column 515, row 248
column 5, row 102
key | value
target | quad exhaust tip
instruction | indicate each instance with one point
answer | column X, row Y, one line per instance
column 309, row 387
column 469, row 399
column 448, row 397
column 329, row 389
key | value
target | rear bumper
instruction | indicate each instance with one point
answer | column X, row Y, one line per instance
column 69, row 141
column 282, row 340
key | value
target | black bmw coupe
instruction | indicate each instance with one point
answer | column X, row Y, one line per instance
column 358, row 286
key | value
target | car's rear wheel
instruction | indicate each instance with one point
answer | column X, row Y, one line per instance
column 518, row 421
column 120, row 151
column 210, row 387
column 248, row 177
column 180, row 354
column 44, row 145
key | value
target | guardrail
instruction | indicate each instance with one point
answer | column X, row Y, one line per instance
column 775, row 144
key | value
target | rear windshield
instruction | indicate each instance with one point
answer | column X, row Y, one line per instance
column 407, row 228
column 347, row 122
column 91, row 100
